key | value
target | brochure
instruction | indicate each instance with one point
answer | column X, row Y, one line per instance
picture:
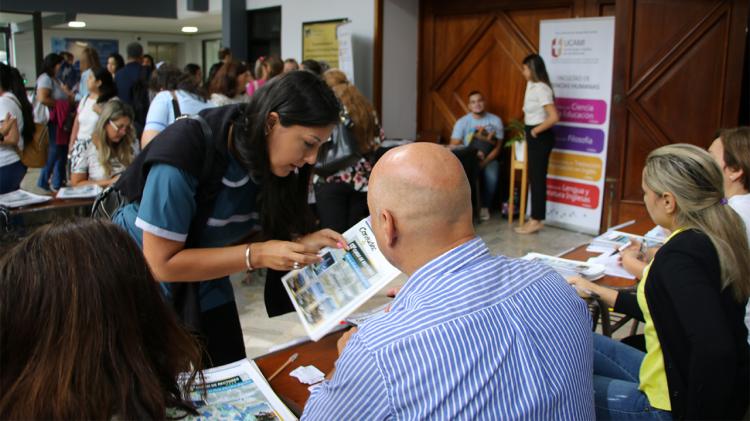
column 238, row 391
column 326, row 293
column 80, row 192
column 612, row 240
column 18, row 198
column 566, row 267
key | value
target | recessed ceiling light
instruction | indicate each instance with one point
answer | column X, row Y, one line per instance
column 190, row 29
column 77, row 24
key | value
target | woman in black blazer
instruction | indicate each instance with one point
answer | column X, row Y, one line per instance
column 691, row 300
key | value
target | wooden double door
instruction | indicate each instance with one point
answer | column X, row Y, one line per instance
column 677, row 77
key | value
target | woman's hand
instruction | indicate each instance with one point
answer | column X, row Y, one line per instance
column 323, row 238
column 534, row 132
column 8, row 123
column 282, row 255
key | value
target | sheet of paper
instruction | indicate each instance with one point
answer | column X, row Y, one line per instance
column 612, row 266
column 308, row 374
column 18, row 198
column 80, row 192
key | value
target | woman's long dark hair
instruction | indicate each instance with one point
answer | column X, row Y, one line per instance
column 11, row 81
column 169, row 78
column 108, row 89
column 50, row 61
column 535, row 63
column 88, row 336
column 300, row 98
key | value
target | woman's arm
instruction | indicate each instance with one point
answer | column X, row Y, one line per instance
column 170, row 261
column 73, row 135
column 82, row 179
column 9, row 130
column 552, row 118
column 44, row 95
column 148, row 136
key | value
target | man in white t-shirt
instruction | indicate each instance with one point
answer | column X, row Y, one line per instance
column 469, row 128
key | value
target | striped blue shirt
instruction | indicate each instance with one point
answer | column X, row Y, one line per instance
column 469, row 336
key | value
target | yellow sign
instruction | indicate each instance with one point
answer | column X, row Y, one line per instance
column 575, row 166
column 319, row 42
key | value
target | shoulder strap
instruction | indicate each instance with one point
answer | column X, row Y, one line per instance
column 176, row 106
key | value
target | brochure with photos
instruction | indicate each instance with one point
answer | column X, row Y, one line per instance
column 238, row 391
column 326, row 293
column 81, row 192
column 18, row 198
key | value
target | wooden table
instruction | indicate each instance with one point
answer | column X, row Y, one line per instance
column 322, row 354
column 602, row 312
column 53, row 206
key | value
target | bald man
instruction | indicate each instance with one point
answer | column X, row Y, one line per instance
column 470, row 335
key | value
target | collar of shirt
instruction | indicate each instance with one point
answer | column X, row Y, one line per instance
column 421, row 281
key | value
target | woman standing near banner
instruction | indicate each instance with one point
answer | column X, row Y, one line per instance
column 540, row 115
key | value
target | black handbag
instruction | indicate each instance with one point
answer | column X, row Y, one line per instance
column 341, row 151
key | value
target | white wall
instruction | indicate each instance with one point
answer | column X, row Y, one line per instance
column 400, row 51
column 360, row 12
column 189, row 47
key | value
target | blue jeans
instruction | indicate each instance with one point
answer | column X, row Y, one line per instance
column 11, row 176
column 490, row 175
column 57, row 156
column 616, row 380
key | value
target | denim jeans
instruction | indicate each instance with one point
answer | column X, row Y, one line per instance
column 11, row 176
column 616, row 380
column 490, row 175
column 57, row 157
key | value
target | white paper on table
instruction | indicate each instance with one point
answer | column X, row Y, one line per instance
column 18, row 198
column 81, row 192
column 612, row 266
column 308, row 374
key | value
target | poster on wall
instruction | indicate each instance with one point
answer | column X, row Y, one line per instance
column 320, row 41
column 346, row 52
column 75, row 46
column 579, row 55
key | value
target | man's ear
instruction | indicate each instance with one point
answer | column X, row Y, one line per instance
column 388, row 224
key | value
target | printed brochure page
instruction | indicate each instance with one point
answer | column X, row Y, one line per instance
column 239, row 391
column 326, row 293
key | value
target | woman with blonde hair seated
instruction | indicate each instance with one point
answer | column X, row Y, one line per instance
column 89, row 336
column 692, row 299
column 111, row 148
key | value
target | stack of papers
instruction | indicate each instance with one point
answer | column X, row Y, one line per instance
column 612, row 266
column 80, row 192
column 566, row 267
column 308, row 374
column 613, row 240
column 19, row 198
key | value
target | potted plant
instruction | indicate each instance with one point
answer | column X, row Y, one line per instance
column 517, row 136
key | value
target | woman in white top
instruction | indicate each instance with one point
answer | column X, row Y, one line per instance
column 111, row 148
column 228, row 85
column 540, row 115
column 101, row 88
column 15, row 110
column 731, row 150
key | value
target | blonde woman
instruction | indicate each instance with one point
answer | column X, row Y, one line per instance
column 692, row 300
column 111, row 148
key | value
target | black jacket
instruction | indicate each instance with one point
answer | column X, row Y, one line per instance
column 700, row 328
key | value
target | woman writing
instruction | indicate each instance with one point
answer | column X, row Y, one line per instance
column 540, row 115
column 195, row 227
column 101, row 158
column 691, row 298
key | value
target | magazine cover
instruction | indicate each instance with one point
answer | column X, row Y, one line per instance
column 324, row 294
column 239, row 391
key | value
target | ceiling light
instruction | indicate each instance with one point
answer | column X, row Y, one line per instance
column 77, row 24
column 190, row 29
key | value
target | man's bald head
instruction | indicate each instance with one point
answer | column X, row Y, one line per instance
column 423, row 185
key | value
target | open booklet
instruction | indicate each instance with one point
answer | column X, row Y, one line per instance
column 613, row 240
column 567, row 267
column 326, row 293
column 238, row 391
column 89, row 191
column 18, row 198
